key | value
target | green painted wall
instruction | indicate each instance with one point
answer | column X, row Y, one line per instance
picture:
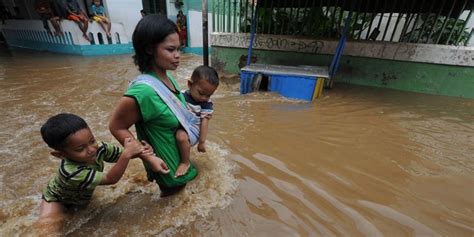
column 408, row 76
column 196, row 5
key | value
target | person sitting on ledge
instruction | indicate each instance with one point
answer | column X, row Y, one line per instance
column 46, row 11
column 98, row 15
column 76, row 14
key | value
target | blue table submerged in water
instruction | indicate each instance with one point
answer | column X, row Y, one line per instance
column 296, row 82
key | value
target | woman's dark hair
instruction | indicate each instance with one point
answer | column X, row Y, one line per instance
column 149, row 32
column 57, row 128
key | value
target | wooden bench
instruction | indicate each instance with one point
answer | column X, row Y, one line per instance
column 296, row 82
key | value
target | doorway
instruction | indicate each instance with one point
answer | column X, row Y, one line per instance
column 155, row 7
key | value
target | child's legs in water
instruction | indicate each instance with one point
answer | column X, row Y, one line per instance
column 184, row 147
column 51, row 217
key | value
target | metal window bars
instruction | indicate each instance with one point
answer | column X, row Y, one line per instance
column 425, row 22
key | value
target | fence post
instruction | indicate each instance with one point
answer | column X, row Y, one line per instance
column 205, row 38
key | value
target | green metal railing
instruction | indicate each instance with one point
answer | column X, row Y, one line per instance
column 423, row 21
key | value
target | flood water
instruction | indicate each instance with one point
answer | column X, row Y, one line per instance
column 358, row 162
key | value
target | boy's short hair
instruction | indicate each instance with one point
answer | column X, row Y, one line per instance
column 149, row 32
column 57, row 128
column 207, row 73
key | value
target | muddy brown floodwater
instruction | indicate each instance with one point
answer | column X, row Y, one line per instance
column 358, row 162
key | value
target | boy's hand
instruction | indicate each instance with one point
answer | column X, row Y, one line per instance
column 132, row 147
column 202, row 146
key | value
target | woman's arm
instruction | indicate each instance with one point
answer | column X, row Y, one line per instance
column 125, row 115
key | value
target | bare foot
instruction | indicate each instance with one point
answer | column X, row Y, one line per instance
column 86, row 37
column 182, row 169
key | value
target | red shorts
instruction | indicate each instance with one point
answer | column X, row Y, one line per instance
column 74, row 17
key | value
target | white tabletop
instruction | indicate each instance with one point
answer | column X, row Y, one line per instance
column 303, row 70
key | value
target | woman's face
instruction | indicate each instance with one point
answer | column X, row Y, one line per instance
column 167, row 53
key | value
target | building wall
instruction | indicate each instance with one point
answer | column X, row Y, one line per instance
column 125, row 13
column 193, row 11
column 31, row 34
column 195, row 28
column 171, row 10
column 426, row 53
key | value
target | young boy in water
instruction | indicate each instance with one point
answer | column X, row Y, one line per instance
column 204, row 81
column 82, row 164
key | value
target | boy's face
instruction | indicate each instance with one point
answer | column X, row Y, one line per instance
column 202, row 90
column 80, row 147
column 97, row 3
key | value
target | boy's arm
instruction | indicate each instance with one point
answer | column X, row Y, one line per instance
column 132, row 149
column 114, row 175
column 203, row 134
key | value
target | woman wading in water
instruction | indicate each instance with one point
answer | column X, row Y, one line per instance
column 156, row 43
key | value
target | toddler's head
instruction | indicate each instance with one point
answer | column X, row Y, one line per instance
column 204, row 81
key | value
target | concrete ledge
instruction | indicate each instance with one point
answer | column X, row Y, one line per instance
column 85, row 50
column 425, row 53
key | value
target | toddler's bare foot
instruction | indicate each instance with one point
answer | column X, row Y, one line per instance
column 182, row 169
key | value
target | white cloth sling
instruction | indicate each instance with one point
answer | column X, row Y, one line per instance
column 186, row 118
